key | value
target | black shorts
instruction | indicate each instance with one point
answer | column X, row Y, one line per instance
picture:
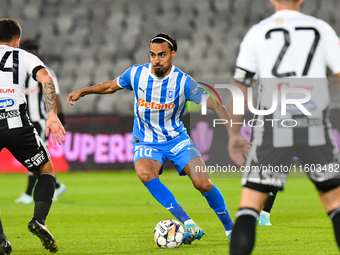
column 25, row 145
column 40, row 127
column 267, row 168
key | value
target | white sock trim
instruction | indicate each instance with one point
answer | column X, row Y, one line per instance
column 190, row 221
column 265, row 213
column 334, row 212
column 247, row 211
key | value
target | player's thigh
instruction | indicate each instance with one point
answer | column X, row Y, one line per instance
column 196, row 168
column 148, row 162
column 28, row 148
column 267, row 168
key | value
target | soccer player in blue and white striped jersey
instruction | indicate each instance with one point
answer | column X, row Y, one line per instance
column 160, row 93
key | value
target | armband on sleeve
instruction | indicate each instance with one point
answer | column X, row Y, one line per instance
column 35, row 70
column 243, row 76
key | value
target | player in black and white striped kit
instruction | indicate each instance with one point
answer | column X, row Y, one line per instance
column 37, row 112
column 289, row 53
column 18, row 134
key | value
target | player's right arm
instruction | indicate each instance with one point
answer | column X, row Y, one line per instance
column 106, row 87
column 53, row 125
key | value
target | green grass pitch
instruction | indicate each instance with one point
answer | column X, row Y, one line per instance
column 113, row 213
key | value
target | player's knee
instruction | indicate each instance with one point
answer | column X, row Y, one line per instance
column 145, row 177
column 46, row 169
column 203, row 185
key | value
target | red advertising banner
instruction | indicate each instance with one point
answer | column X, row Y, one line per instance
column 91, row 143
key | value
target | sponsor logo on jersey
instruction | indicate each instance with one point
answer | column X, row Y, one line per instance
column 7, row 91
column 302, row 122
column 293, row 109
column 171, row 94
column 9, row 114
column 287, row 85
column 279, row 21
column 155, row 106
column 8, row 102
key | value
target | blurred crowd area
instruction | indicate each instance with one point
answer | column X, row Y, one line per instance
column 89, row 41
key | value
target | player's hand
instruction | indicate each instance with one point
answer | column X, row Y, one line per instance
column 73, row 96
column 238, row 148
column 55, row 128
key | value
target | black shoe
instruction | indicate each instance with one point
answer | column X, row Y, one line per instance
column 5, row 248
column 47, row 240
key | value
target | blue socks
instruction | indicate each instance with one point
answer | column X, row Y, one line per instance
column 214, row 197
column 164, row 196
column 216, row 202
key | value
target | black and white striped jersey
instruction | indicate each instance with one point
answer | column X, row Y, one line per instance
column 15, row 65
column 290, row 50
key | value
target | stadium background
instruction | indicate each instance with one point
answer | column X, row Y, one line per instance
column 86, row 42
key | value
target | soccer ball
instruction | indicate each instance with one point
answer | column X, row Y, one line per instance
column 168, row 234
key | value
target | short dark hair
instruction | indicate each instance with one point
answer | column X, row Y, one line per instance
column 163, row 37
column 9, row 29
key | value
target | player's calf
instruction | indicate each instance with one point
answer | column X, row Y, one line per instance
column 243, row 235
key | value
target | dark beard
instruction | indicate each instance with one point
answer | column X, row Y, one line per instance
column 160, row 72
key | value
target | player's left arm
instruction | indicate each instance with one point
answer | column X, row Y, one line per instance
column 219, row 109
column 53, row 124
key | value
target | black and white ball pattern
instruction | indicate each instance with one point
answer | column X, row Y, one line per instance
column 168, row 233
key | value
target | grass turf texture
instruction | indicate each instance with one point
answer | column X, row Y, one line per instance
column 113, row 213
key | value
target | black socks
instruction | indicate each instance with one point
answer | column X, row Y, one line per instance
column 269, row 202
column 31, row 183
column 243, row 234
column 335, row 217
column 43, row 195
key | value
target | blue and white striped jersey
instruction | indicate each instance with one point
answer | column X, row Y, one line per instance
column 159, row 101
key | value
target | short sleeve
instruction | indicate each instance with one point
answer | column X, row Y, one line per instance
column 124, row 81
column 193, row 91
column 332, row 50
column 247, row 55
column 33, row 63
